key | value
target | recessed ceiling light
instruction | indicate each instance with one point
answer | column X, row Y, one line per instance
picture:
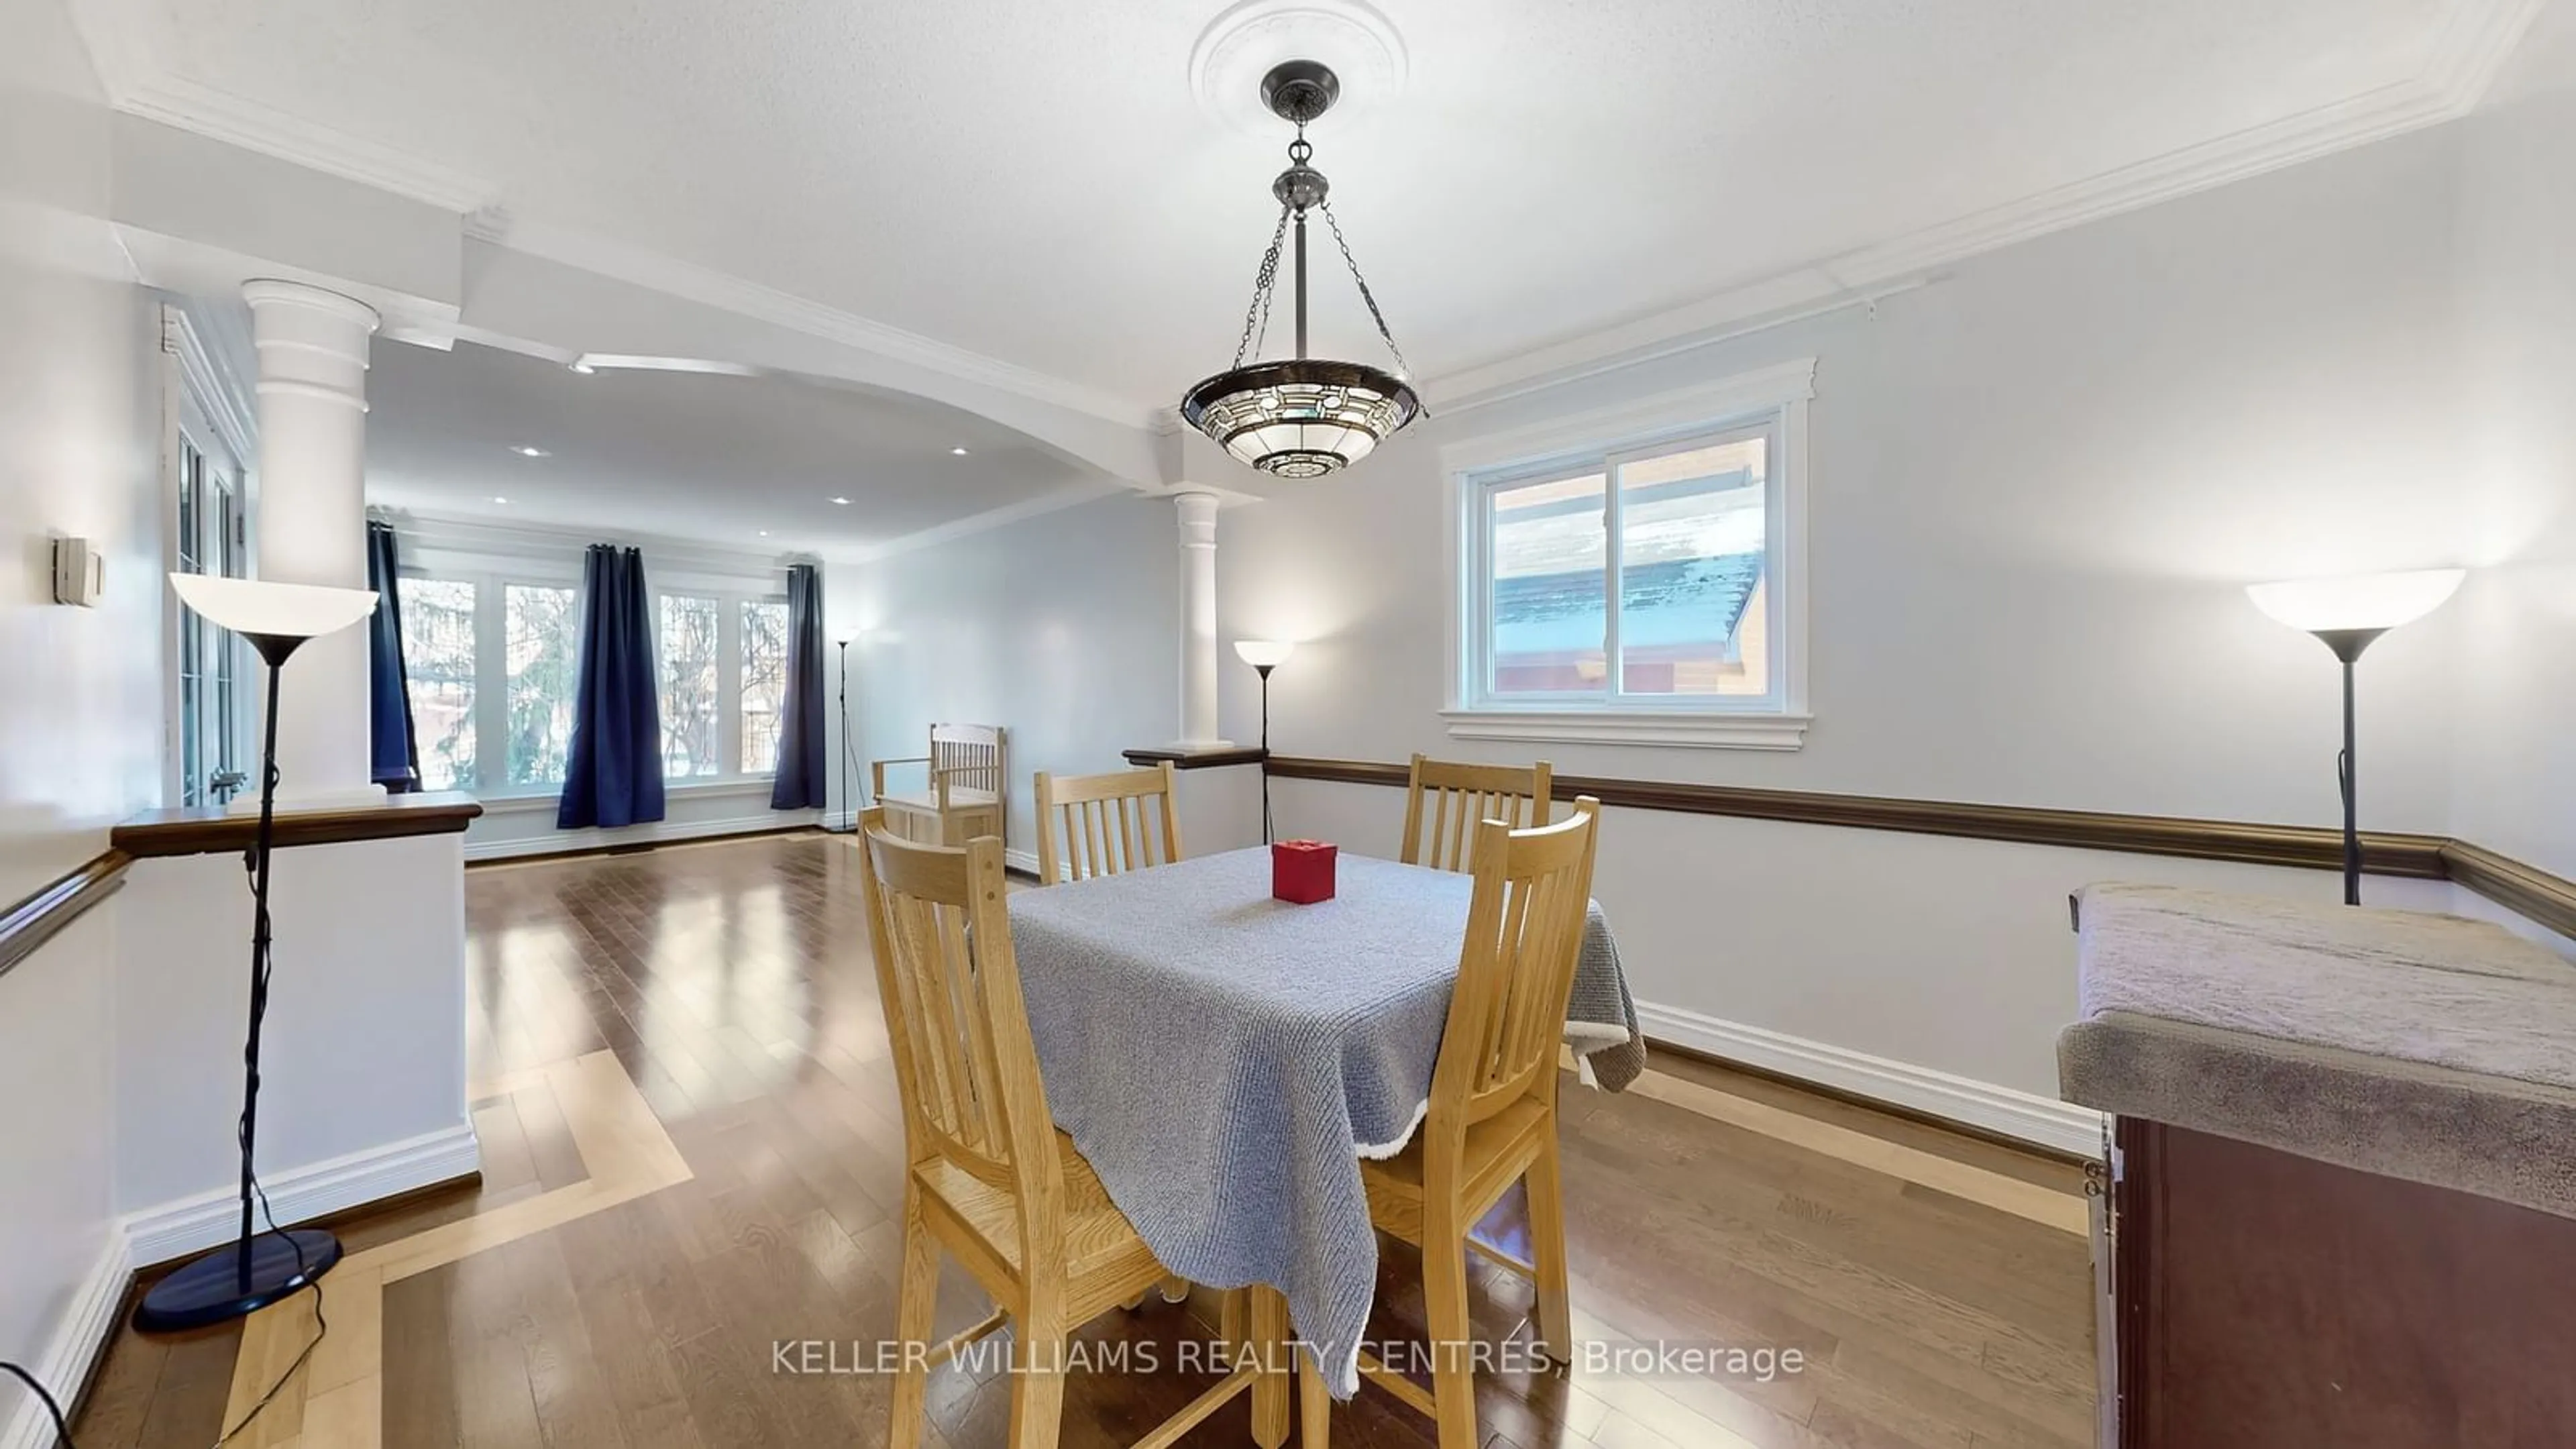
column 842, row 501
column 958, row 452
column 764, row 533
column 497, row 498
column 524, row 451
column 581, row 366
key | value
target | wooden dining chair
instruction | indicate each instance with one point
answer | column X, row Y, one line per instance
column 1445, row 800
column 964, row 789
column 1110, row 823
column 989, row 1179
column 1492, row 1117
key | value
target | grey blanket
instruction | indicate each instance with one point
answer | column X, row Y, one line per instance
column 2418, row 1046
column 1225, row 1059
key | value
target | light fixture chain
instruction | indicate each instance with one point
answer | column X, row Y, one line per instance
column 1262, row 283
column 1403, row 368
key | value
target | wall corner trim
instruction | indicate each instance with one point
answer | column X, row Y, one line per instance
column 73, row 1351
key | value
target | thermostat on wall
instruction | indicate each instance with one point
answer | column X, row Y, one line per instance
column 80, row 574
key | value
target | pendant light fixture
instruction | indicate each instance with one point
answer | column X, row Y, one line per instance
column 1300, row 417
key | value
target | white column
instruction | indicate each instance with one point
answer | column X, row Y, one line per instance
column 1198, row 622
column 312, row 527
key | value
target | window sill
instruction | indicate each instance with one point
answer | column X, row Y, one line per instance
column 521, row 802
column 1702, row 730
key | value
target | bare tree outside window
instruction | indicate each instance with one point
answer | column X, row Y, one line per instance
column 544, row 626
column 692, row 637
column 438, row 663
column 764, row 682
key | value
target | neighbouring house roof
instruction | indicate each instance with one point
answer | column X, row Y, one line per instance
column 1675, row 602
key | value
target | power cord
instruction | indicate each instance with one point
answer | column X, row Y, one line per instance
column 62, row 1424
column 321, row 1326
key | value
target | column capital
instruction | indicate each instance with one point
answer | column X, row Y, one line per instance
column 263, row 293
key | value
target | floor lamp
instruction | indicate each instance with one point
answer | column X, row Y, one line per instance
column 2347, row 614
column 259, row 1268
column 849, row 802
column 1264, row 655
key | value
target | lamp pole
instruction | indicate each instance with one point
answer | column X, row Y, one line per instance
column 849, row 804
column 1264, row 671
column 1264, row 655
column 2347, row 645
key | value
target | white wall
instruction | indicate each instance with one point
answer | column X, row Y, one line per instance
column 80, row 716
column 2516, row 790
column 1061, row 628
column 2038, row 486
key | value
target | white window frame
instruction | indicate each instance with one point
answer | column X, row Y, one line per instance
column 492, row 671
column 729, row 602
column 1477, row 466
column 204, row 410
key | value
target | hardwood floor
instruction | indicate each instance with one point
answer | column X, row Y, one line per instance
column 692, row 1154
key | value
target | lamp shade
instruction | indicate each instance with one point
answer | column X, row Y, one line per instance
column 1264, row 653
column 2357, row 601
column 278, row 611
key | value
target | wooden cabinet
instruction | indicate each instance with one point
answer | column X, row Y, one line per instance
column 2255, row 1299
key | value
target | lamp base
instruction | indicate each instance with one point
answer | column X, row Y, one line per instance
column 212, row 1289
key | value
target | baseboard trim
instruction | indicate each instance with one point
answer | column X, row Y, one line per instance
column 2059, row 1127
column 1025, row 862
column 304, row 1194
column 74, row 1352
column 660, row 832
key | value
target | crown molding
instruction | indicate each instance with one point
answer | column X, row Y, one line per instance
column 2479, row 38
column 491, row 538
column 138, row 85
column 673, row 277
column 2465, row 60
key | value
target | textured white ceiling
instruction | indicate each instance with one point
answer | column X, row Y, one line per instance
column 710, row 459
column 1032, row 180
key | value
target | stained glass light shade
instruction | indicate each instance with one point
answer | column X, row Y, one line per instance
column 1302, row 417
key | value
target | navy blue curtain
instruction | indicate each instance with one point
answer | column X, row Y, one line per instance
column 801, row 775
column 614, row 775
column 393, row 748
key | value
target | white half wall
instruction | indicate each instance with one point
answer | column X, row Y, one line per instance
column 365, row 1041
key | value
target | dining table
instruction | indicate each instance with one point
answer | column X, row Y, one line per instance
column 1225, row 1060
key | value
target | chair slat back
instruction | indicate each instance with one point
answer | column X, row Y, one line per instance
column 966, row 757
column 956, row 1023
column 1445, row 801
column 1123, row 821
column 1515, row 968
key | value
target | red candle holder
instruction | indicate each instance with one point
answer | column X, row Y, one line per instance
column 1301, row 871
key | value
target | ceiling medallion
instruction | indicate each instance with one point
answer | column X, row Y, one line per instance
column 1238, row 47
column 1300, row 417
